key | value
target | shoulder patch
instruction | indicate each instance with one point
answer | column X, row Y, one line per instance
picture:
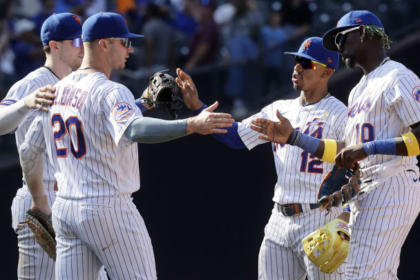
column 122, row 111
column 7, row 102
column 416, row 93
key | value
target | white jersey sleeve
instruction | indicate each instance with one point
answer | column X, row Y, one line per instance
column 119, row 111
column 35, row 134
column 249, row 136
column 404, row 98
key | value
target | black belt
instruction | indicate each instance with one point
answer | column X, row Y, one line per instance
column 293, row 209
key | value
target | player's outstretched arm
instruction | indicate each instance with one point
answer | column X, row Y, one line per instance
column 406, row 145
column 32, row 166
column 282, row 132
column 12, row 115
column 151, row 130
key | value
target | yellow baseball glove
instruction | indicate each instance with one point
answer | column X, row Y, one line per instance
column 325, row 247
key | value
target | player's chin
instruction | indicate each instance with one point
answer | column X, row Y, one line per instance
column 297, row 86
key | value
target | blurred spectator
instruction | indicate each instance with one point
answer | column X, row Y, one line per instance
column 184, row 18
column 77, row 7
column 123, row 6
column 26, row 45
column 244, row 33
column 47, row 10
column 273, row 37
column 159, row 43
column 27, row 8
column 204, row 47
column 298, row 17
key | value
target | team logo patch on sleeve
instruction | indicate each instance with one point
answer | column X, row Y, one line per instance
column 7, row 102
column 416, row 93
column 122, row 111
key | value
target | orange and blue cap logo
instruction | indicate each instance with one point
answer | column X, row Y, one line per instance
column 307, row 44
column 358, row 20
column 122, row 111
column 416, row 93
column 329, row 60
column 78, row 20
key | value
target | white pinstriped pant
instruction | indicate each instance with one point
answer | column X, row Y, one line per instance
column 103, row 231
column 281, row 254
column 33, row 263
column 379, row 224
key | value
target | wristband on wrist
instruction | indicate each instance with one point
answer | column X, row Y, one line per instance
column 381, row 147
column 330, row 150
column 411, row 143
column 305, row 142
column 346, row 208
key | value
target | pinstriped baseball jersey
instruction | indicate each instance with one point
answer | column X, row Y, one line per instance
column 383, row 105
column 34, row 80
column 84, row 135
column 299, row 182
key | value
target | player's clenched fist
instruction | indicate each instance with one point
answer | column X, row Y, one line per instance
column 208, row 122
column 41, row 97
column 347, row 157
column 277, row 132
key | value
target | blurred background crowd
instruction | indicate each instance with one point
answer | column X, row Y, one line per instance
column 232, row 48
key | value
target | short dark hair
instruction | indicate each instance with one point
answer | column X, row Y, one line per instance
column 47, row 49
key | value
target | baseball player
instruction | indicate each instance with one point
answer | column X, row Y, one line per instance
column 89, row 134
column 295, row 212
column 382, row 134
column 61, row 37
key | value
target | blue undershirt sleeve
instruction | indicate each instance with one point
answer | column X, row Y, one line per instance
column 231, row 138
column 140, row 105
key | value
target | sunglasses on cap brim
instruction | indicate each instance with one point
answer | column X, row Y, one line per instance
column 125, row 41
column 307, row 63
column 339, row 37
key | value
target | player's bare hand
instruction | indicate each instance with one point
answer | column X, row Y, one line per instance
column 41, row 205
column 208, row 122
column 347, row 157
column 277, row 132
column 41, row 97
column 188, row 90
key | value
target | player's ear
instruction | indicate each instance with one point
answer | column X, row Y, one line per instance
column 327, row 73
column 104, row 45
column 54, row 46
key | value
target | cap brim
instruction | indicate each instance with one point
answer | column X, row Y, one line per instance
column 130, row 35
column 328, row 38
column 302, row 55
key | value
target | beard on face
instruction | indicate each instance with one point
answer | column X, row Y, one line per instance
column 297, row 87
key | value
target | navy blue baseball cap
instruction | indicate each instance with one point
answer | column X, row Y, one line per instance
column 58, row 27
column 106, row 25
column 349, row 20
column 313, row 49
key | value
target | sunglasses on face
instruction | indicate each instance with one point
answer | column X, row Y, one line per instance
column 125, row 41
column 339, row 38
column 307, row 63
column 77, row 43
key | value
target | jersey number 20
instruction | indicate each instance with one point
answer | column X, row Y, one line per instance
column 66, row 127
